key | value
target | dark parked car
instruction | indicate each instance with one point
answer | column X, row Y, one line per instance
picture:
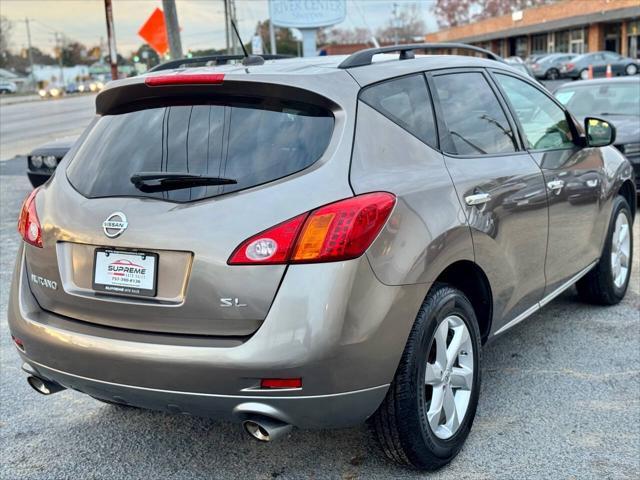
column 42, row 161
column 236, row 242
column 548, row 67
column 616, row 100
column 578, row 67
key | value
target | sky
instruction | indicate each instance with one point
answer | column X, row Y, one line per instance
column 201, row 21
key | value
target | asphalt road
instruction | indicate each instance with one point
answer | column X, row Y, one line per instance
column 560, row 399
column 24, row 126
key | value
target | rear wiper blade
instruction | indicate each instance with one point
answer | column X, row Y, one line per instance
column 150, row 182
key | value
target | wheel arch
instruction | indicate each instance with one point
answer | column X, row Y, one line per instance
column 471, row 280
column 628, row 191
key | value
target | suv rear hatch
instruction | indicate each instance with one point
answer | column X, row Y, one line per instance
column 159, row 264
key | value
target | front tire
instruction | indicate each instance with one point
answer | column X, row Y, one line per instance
column 427, row 414
column 607, row 282
column 584, row 74
column 631, row 69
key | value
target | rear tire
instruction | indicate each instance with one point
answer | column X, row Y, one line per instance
column 607, row 282
column 584, row 74
column 631, row 69
column 410, row 428
column 553, row 74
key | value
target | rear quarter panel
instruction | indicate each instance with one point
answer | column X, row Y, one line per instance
column 427, row 230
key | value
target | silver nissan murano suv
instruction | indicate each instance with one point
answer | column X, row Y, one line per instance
column 316, row 242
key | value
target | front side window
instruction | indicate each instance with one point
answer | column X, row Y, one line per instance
column 544, row 123
column 475, row 120
column 406, row 102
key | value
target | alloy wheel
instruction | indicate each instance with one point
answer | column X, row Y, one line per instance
column 449, row 377
column 620, row 250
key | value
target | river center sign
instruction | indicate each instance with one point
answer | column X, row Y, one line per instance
column 307, row 13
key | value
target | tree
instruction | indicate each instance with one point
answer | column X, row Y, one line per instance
column 5, row 36
column 286, row 43
column 148, row 55
column 404, row 26
column 341, row 36
column 74, row 53
column 451, row 13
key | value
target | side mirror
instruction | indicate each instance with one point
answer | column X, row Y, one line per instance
column 600, row 133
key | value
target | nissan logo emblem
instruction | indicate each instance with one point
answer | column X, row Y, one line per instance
column 115, row 224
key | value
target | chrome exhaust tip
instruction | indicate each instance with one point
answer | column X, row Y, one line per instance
column 266, row 429
column 42, row 386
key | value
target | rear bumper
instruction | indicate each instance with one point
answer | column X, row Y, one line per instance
column 344, row 341
column 311, row 411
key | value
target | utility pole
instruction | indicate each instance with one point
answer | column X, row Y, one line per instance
column 226, row 25
column 60, row 43
column 395, row 23
column 232, row 17
column 111, row 40
column 33, row 75
column 173, row 28
column 272, row 38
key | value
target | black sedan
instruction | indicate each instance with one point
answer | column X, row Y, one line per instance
column 43, row 160
column 616, row 100
column 578, row 67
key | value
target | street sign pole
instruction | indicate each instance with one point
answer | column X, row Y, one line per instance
column 307, row 17
column 173, row 29
column 308, row 41
column 111, row 40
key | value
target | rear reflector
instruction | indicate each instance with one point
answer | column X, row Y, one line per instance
column 19, row 343
column 339, row 231
column 28, row 223
column 185, row 79
column 281, row 383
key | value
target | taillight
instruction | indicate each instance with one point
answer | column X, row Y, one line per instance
column 185, row 79
column 570, row 66
column 339, row 231
column 28, row 223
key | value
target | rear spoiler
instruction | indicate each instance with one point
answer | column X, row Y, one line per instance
column 142, row 92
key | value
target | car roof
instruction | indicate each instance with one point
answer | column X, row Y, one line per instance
column 321, row 75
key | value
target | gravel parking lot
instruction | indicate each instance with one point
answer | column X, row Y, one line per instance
column 560, row 399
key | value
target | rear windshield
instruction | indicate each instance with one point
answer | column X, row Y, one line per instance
column 247, row 143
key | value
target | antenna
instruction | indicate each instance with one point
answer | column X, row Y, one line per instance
column 248, row 59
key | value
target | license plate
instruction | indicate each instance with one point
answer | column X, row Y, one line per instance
column 125, row 273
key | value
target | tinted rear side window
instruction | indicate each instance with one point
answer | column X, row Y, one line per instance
column 473, row 115
column 406, row 102
column 247, row 143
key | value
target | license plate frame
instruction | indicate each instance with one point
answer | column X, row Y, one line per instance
column 137, row 259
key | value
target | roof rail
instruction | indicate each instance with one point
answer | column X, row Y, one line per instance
column 365, row 57
column 215, row 59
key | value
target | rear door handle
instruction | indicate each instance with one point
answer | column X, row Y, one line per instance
column 555, row 185
column 477, row 199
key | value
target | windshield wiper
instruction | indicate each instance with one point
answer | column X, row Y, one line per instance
column 150, row 182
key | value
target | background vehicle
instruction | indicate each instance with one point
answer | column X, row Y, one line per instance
column 522, row 68
column 51, row 91
column 531, row 59
column 578, row 67
column 285, row 266
column 617, row 100
column 43, row 160
column 7, row 87
column 548, row 66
